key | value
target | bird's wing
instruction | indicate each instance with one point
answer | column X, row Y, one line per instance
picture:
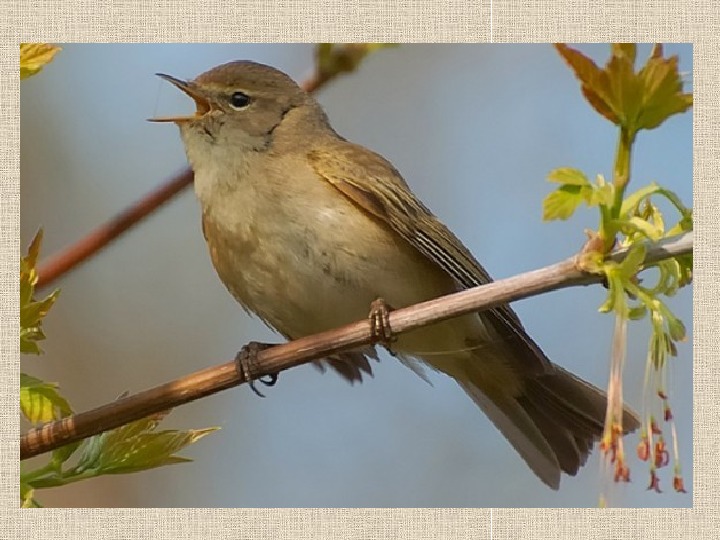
column 372, row 183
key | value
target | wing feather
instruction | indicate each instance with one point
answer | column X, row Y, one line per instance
column 373, row 184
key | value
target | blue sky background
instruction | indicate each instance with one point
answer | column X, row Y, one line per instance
column 474, row 129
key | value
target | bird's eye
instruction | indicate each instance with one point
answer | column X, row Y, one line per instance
column 239, row 100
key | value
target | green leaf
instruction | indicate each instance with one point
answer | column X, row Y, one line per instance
column 148, row 450
column 668, row 271
column 134, row 447
column 323, row 57
column 639, row 225
column 632, row 201
column 655, row 216
column 31, row 311
column 627, row 50
column 40, row 401
column 562, row 203
column 593, row 81
column 614, row 91
column 90, row 451
column 569, row 176
column 332, row 59
column 635, row 101
column 662, row 91
column 624, row 90
column 34, row 56
column 27, row 496
column 677, row 203
column 684, row 225
column 601, row 195
column 62, row 454
column 633, row 262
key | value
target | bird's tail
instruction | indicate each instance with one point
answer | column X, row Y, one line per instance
column 552, row 419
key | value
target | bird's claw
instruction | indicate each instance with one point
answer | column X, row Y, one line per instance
column 380, row 329
column 246, row 361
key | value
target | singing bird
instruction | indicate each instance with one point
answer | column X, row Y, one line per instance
column 307, row 230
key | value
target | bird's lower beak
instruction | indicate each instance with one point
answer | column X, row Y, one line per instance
column 201, row 102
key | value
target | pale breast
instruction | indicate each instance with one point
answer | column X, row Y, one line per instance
column 305, row 259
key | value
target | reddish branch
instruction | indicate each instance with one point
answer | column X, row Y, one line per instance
column 281, row 357
column 70, row 257
column 67, row 259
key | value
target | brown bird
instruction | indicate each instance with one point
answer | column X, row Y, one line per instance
column 306, row 230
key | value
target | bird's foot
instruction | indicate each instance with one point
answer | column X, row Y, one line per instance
column 380, row 329
column 246, row 361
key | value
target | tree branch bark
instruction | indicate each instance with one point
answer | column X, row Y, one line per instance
column 60, row 263
column 281, row 357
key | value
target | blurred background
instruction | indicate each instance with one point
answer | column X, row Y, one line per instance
column 474, row 129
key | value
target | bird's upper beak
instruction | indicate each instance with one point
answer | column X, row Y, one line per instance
column 201, row 102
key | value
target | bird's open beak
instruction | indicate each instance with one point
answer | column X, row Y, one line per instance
column 201, row 102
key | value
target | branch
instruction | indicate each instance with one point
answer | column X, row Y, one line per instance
column 64, row 261
column 281, row 357
column 60, row 263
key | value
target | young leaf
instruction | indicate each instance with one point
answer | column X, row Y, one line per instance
column 662, row 92
column 148, row 450
column 62, row 454
column 26, row 496
column 632, row 201
column 34, row 56
column 601, row 193
column 40, row 401
column 561, row 203
column 134, row 447
column 636, row 224
column 333, row 59
column 635, row 101
column 593, row 81
column 626, row 89
column 628, row 50
column 569, row 176
column 633, row 262
column 31, row 311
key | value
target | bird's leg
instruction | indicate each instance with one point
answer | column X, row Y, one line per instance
column 246, row 360
column 380, row 329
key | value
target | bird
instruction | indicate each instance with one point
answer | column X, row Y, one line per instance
column 307, row 230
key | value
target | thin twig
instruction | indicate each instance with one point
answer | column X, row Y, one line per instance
column 68, row 258
column 282, row 357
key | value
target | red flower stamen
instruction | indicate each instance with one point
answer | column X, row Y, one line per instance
column 643, row 448
column 654, row 482
column 667, row 413
column 678, row 484
column 662, row 457
column 622, row 472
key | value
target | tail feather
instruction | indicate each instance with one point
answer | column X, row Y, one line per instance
column 524, row 435
column 562, row 441
column 563, row 410
column 552, row 423
column 584, row 398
